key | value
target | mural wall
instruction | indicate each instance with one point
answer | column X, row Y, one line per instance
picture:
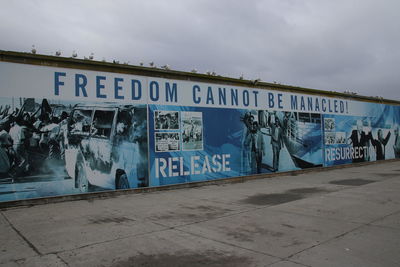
column 69, row 131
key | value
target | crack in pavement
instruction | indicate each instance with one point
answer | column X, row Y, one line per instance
column 29, row 243
column 369, row 224
column 61, row 259
column 241, row 209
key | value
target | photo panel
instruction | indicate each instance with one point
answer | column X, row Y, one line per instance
column 192, row 131
column 166, row 120
column 167, row 142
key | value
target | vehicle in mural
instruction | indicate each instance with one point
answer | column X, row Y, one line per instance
column 103, row 147
column 69, row 126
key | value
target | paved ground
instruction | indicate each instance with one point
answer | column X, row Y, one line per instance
column 342, row 217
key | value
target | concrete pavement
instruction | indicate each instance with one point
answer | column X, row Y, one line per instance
column 340, row 217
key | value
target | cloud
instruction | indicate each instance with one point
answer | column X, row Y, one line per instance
column 330, row 45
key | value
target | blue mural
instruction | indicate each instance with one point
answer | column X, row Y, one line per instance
column 78, row 131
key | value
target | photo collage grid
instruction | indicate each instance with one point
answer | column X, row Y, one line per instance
column 332, row 137
column 178, row 130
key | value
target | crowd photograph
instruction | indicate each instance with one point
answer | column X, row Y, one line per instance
column 32, row 138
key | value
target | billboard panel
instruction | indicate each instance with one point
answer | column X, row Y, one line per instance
column 374, row 136
column 68, row 131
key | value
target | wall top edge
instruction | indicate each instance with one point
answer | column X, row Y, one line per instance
column 54, row 61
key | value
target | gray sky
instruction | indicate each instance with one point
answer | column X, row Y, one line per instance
column 330, row 45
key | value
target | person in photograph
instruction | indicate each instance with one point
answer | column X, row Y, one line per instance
column 18, row 135
column 37, row 138
column 191, row 131
column 258, row 144
column 368, row 130
column 198, row 133
column 276, row 140
column 174, row 121
column 77, row 126
column 359, row 139
column 44, row 136
column 164, row 122
column 63, row 134
column 247, row 139
column 380, row 144
column 121, row 131
column 54, row 139
column 36, row 135
column 168, row 123
column 5, row 157
column 52, row 132
column 157, row 123
column 396, row 145
column 288, row 124
column 94, row 127
column 185, row 134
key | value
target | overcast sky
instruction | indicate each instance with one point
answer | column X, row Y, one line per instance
column 330, row 45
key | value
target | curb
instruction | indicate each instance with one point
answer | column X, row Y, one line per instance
column 229, row 180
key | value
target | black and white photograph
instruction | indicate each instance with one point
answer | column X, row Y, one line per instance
column 340, row 138
column 274, row 140
column 63, row 147
column 167, row 142
column 329, row 124
column 330, row 138
column 166, row 120
column 192, row 130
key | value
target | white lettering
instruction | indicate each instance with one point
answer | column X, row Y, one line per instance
column 174, row 166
